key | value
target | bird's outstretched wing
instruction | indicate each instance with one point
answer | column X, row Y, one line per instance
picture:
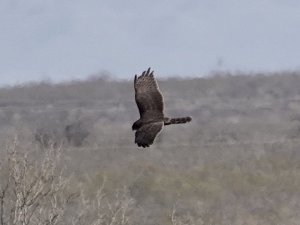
column 147, row 95
column 146, row 134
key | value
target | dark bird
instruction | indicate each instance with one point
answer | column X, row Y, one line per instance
column 151, row 106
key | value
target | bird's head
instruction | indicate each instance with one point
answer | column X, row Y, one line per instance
column 136, row 125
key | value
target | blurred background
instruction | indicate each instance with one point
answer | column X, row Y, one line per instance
column 67, row 104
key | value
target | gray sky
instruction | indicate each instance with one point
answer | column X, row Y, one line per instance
column 66, row 39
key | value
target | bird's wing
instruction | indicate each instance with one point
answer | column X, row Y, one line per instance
column 147, row 94
column 146, row 134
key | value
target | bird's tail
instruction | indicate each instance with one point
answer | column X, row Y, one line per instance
column 177, row 120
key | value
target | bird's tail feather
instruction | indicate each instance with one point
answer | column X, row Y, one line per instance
column 178, row 120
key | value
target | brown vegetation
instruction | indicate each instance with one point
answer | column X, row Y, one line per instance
column 74, row 160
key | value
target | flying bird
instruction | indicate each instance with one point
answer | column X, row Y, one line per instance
column 150, row 103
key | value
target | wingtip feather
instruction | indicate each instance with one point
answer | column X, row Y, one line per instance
column 148, row 71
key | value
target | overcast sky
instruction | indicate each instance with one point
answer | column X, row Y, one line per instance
column 66, row 39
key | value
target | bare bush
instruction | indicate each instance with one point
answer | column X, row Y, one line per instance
column 185, row 219
column 45, row 138
column 76, row 134
column 101, row 209
column 34, row 190
column 31, row 191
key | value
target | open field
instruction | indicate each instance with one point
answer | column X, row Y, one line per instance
column 68, row 156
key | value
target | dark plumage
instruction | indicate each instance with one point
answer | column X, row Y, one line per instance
column 151, row 106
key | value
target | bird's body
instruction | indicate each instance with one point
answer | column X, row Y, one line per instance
column 151, row 106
